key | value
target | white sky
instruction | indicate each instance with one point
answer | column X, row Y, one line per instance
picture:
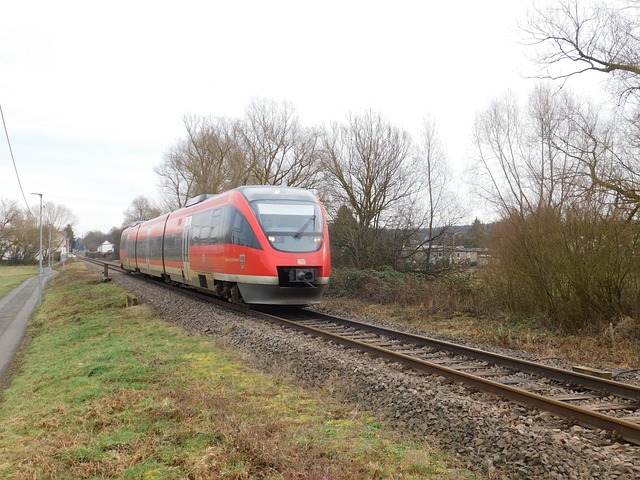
column 94, row 93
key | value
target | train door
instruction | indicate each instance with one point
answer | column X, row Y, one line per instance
column 147, row 249
column 124, row 256
column 137, row 249
column 186, row 242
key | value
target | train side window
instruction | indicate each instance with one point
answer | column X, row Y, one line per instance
column 242, row 233
column 173, row 247
column 155, row 248
column 227, row 216
column 205, row 227
column 216, row 226
column 131, row 247
column 201, row 228
column 167, row 246
column 195, row 235
column 146, row 244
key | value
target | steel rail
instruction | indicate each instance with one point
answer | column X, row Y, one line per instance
column 588, row 418
column 587, row 381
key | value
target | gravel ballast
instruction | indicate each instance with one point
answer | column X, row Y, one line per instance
column 489, row 435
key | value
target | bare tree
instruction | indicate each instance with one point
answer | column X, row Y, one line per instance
column 574, row 37
column 608, row 157
column 55, row 218
column 564, row 247
column 93, row 239
column 208, row 160
column 370, row 167
column 212, row 154
column 442, row 210
column 279, row 151
column 267, row 146
column 519, row 167
column 141, row 209
column 58, row 216
column 176, row 181
column 22, row 239
column 9, row 212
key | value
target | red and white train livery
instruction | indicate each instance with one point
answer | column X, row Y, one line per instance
column 257, row 244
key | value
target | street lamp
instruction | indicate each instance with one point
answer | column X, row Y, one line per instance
column 40, row 259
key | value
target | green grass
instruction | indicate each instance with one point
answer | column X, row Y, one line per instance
column 11, row 277
column 109, row 391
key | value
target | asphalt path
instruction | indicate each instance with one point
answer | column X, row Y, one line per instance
column 16, row 309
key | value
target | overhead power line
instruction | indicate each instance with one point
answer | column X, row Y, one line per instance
column 14, row 161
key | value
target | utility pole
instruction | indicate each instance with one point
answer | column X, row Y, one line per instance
column 49, row 259
column 40, row 256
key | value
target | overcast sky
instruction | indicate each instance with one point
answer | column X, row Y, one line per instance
column 93, row 93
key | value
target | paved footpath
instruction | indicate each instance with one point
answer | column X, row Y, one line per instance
column 16, row 309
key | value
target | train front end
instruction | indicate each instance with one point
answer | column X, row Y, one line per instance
column 293, row 230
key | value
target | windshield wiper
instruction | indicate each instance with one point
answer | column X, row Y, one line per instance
column 304, row 227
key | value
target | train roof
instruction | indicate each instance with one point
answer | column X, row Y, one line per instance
column 199, row 198
column 250, row 192
column 260, row 192
column 270, row 192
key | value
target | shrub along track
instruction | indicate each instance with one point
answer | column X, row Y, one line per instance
column 498, row 437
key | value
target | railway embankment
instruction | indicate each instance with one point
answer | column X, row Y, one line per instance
column 107, row 388
column 488, row 434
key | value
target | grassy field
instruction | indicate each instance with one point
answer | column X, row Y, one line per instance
column 105, row 390
column 11, row 277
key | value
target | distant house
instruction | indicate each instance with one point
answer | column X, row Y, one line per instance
column 457, row 255
column 448, row 256
column 106, row 247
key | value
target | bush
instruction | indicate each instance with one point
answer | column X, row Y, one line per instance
column 575, row 271
column 454, row 292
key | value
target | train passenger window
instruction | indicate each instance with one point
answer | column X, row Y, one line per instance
column 155, row 248
column 197, row 221
column 227, row 215
column 242, row 233
column 131, row 247
column 205, row 227
column 195, row 235
column 216, row 224
column 173, row 247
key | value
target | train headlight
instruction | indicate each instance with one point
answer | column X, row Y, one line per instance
column 271, row 238
column 317, row 239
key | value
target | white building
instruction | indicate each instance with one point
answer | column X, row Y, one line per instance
column 106, row 247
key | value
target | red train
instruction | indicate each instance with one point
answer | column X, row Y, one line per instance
column 254, row 244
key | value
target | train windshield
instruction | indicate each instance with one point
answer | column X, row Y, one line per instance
column 290, row 226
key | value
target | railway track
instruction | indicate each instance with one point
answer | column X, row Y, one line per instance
column 587, row 400
column 590, row 401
